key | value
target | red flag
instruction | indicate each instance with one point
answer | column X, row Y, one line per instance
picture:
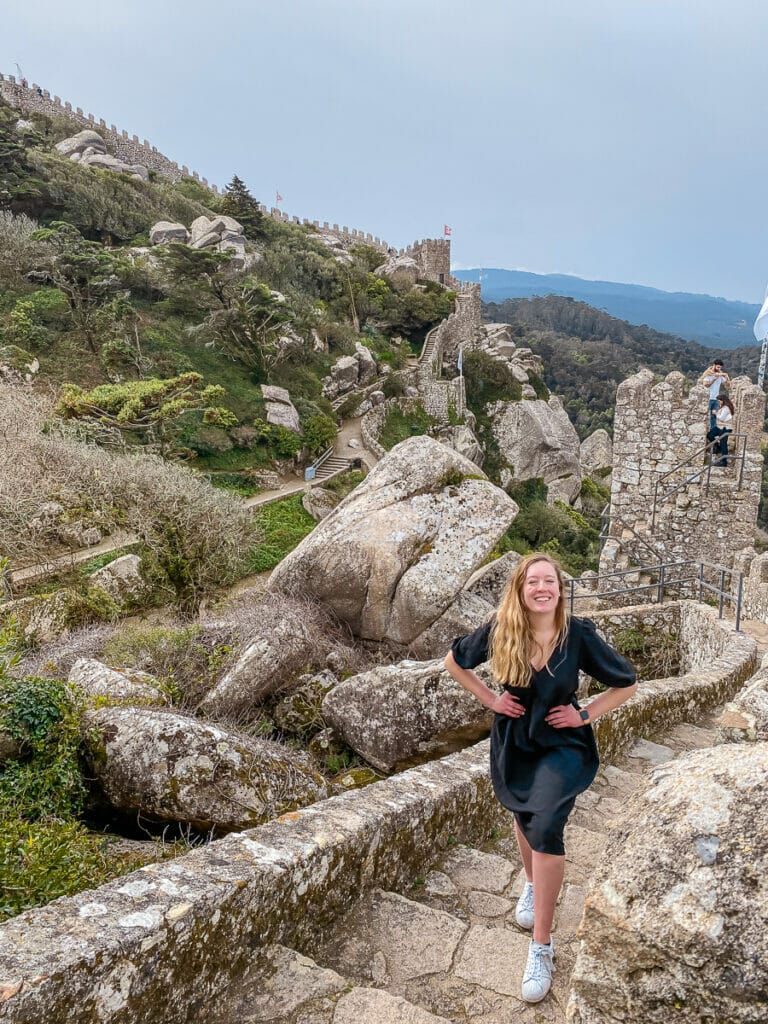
column 446, row 231
column 278, row 197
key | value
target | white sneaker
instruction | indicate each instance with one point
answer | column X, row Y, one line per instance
column 539, row 968
column 524, row 908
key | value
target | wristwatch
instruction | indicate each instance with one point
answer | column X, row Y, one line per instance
column 584, row 715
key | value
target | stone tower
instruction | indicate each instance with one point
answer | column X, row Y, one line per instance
column 657, row 511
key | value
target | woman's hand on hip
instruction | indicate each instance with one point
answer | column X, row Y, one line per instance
column 507, row 704
column 564, row 716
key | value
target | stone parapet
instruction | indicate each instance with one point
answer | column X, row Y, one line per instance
column 174, row 934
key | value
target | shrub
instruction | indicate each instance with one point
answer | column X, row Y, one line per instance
column 42, row 860
column 318, row 432
column 43, row 716
column 400, row 423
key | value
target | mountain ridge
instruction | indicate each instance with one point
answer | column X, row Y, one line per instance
column 709, row 320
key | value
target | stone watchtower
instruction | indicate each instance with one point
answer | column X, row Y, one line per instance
column 665, row 504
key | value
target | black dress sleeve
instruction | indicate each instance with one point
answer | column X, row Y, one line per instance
column 472, row 649
column 599, row 660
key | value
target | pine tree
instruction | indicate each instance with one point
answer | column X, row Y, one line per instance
column 240, row 204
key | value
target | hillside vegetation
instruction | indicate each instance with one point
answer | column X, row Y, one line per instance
column 81, row 292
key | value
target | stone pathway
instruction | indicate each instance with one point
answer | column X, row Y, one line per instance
column 448, row 950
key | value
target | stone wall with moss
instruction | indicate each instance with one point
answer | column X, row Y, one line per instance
column 160, row 936
column 725, row 661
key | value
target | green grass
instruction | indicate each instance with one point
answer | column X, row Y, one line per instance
column 399, row 425
column 345, row 483
column 283, row 524
column 235, row 484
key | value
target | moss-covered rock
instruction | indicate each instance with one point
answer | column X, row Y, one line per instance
column 170, row 767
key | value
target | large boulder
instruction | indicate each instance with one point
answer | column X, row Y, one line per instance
column 80, row 142
column 675, row 926
column 281, row 411
column 366, row 364
column 745, row 718
column 490, row 581
column 121, row 578
column 273, row 656
column 166, row 231
column 393, row 555
column 536, row 439
column 403, row 268
column 170, row 767
column 464, row 615
column 130, row 687
column 396, row 712
column 596, row 452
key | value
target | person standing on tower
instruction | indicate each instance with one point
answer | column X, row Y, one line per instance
column 713, row 378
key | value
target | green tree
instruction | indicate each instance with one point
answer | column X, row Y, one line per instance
column 90, row 277
column 240, row 204
column 242, row 318
column 150, row 410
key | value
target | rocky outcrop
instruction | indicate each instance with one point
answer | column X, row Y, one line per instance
column 536, row 439
column 88, row 147
column 121, row 578
column 220, row 233
column 171, row 767
column 596, row 452
column 745, row 718
column 350, row 372
column 490, row 581
column 676, row 925
column 332, row 241
column 319, row 502
column 396, row 712
column 130, row 687
column 272, row 656
column 166, row 231
column 464, row 615
column 393, row 555
column 404, row 268
column 280, row 409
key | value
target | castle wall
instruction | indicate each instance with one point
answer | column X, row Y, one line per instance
column 656, row 427
column 128, row 148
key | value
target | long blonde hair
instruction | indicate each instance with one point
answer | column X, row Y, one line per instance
column 512, row 640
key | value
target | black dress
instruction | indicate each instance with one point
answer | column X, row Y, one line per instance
column 538, row 771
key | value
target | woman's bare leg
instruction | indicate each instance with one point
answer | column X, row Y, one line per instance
column 548, row 871
column 525, row 852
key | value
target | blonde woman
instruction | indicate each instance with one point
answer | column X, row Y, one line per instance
column 543, row 751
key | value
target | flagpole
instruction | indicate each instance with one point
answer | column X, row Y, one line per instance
column 761, row 368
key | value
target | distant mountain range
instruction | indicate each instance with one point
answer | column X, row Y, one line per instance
column 718, row 323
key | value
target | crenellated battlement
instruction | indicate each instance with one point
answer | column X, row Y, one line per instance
column 33, row 99
column 432, row 254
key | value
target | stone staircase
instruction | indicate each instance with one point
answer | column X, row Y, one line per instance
column 447, row 950
column 333, row 465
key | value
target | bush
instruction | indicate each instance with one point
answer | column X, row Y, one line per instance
column 400, row 423
column 42, row 860
column 43, row 717
column 318, row 432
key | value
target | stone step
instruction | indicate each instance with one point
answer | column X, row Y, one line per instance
column 283, row 986
column 449, row 950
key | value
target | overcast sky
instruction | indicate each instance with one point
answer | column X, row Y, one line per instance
column 616, row 139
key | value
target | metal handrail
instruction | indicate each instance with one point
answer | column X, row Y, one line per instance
column 664, row 582
column 708, row 449
column 606, row 518
column 311, row 470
